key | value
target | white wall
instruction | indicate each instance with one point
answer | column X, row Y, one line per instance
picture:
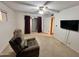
column 6, row 27
column 61, row 34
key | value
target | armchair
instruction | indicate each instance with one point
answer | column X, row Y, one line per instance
column 31, row 50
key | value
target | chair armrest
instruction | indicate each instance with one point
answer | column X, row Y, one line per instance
column 32, row 51
column 31, row 48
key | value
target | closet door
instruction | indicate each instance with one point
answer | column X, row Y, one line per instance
column 27, row 24
column 39, row 24
column 34, row 25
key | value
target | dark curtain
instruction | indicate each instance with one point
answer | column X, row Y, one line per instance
column 39, row 24
column 27, row 24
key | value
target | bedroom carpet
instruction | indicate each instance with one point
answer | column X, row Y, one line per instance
column 49, row 47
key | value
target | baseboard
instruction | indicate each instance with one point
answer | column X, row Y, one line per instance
column 66, row 45
column 45, row 32
column 3, row 47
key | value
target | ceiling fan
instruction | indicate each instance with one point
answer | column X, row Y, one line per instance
column 41, row 9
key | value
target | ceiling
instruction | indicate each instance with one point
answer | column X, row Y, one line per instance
column 32, row 6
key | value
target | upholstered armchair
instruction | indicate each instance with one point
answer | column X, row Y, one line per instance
column 23, row 50
column 22, row 47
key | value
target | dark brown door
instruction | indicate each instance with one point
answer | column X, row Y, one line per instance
column 39, row 24
column 27, row 24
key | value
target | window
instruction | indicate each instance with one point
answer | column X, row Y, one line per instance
column 3, row 16
column 0, row 16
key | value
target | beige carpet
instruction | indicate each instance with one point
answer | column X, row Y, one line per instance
column 49, row 47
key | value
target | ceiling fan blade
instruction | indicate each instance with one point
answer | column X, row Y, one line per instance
column 53, row 10
column 32, row 5
column 47, row 2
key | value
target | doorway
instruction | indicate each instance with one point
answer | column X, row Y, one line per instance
column 34, row 25
column 37, row 24
column 51, row 29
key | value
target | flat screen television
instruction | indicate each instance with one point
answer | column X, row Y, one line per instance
column 70, row 24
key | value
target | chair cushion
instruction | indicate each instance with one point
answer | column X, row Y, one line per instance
column 22, row 43
column 18, row 40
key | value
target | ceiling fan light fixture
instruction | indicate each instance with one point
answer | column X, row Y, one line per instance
column 41, row 11
column 37, row 8
column 44, row 8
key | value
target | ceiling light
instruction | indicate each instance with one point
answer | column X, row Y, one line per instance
column 44, row 8
column 41, row 12
column 37, row 8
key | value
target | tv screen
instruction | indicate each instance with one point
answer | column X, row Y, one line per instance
column 69, row 24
